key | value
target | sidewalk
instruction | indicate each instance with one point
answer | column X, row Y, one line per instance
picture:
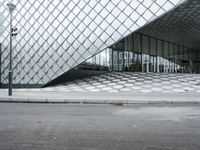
column 36, row 96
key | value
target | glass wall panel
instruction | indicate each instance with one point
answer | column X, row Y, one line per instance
column 137, row 53
column 160, row 60
column 153, row 55
column 145, row 53
column 166, row 56
column 171, row 58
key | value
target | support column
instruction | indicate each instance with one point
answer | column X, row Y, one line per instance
column 157, row 64
column 149, row 60
column 163, row 60
column 133, row 46
column 156, row 70
column 191, row 66
column 141, row 51
column 112, row 60
column 169, row 59
column 123, row 63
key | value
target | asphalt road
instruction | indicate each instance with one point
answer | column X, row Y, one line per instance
column 99, row 127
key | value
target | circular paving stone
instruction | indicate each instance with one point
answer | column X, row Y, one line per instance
column 136, row 87
column 64, row 90
column 156, row 80
column 185, row 83
column 95, row 90
column 116, row 80
column 101, row 86
column 125, row 89
column 102, row 80
column 147, row 86
column 145, row 91
column 172, row 78
column 156, row 77
column 96, row 83
column 90, row 88
column 133, row 77
column 118, row 86
column 125, row 79
column 77, row 90
column 70, row 85
column 107, row 88
column 140, row 79
column 148, row 78
column 112, row 84
column 167, row 87
column 95, row 78
column 176, row 85
column 157, row 89
column 138, row 83
column 113, row 91
column 128, row 85
column 131, row 81
column 111, row 78
column 156, row 84
column 47, row 89
column 82, row 83
column 174, row 81
column 164, row 79
column 75, row 87
column 105, row 82
column 179, row 90
column 166, row 91
column 85, row 85
column 165, row 82
column 182, row 80
column 122, row 82
column 148, row 82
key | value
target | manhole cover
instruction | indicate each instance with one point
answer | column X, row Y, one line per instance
column 161, row 148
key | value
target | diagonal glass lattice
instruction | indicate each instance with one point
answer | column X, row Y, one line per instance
column 54, row 36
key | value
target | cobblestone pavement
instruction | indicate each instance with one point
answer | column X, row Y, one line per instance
column 131, row 82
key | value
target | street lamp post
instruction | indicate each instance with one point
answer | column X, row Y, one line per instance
column 11, row 8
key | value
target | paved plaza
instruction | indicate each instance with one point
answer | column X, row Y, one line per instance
column 135, row 82
column 128, row 82
column 115, row 87
column 131, row 83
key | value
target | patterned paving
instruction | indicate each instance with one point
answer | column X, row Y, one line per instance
column 133, row 82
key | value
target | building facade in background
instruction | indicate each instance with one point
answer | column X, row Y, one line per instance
column 56, row 36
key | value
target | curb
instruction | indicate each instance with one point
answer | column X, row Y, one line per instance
column 90, row 101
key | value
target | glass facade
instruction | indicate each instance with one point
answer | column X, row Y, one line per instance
column 55, row 36
column 148, row 54
column 142, row 53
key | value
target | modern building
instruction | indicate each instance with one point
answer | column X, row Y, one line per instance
column 56, row 37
